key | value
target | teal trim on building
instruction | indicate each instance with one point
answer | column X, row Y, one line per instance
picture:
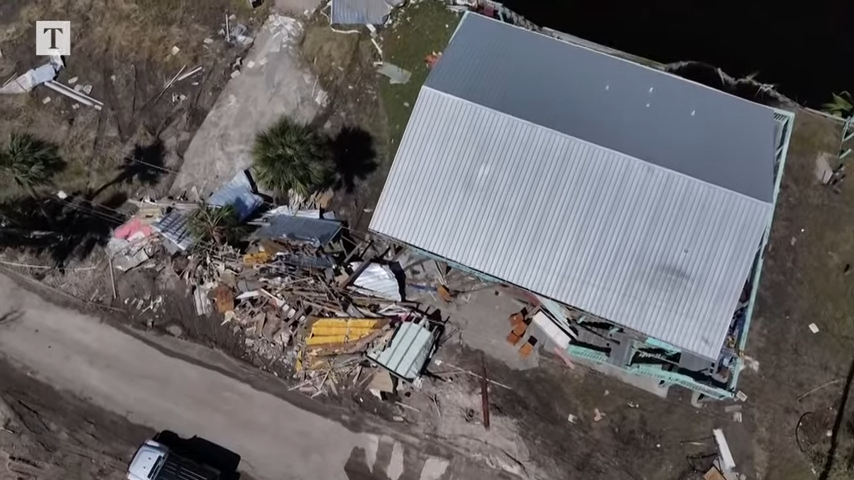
column 654, row 371
column 757, row 274
column 653, row 342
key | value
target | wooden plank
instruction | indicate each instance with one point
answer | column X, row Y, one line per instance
column 353, row 252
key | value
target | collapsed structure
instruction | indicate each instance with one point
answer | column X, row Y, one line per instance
column 632, row 205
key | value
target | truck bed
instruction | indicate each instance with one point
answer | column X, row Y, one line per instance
column 179, row 468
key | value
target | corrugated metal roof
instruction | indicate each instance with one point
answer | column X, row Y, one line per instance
column 407, row 351
column 174, row 226
column 360, row 12
column 316, row 232
column 641, row 112
column 377, row 281
column 643, row 246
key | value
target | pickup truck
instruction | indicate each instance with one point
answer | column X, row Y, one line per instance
column 156, row 461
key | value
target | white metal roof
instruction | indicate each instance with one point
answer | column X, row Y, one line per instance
column 360, row 12
column 645, row 246
column 645, row 113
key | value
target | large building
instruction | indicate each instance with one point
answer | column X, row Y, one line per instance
column 635, row 204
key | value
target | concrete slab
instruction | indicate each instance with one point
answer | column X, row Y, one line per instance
column 276, row 84
column 484, row 325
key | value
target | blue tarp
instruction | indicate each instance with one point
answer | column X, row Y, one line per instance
column 237, row 192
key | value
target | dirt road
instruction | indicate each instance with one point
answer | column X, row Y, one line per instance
column 165, row 383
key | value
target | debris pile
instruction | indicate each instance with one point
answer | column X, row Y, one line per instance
column 296, row 297
column 133, row 243
column 33, row 77
column 299, row 288
column 723, row 467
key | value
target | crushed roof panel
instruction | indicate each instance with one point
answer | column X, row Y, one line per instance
column 316, row 232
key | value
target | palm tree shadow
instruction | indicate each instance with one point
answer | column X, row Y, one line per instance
column 354, row 155
column 62, row 230
column 86, row 227
column 144, row 165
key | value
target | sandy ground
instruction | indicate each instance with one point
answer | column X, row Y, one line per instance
column 639, row 435
column 272, row 83
column 122, row 51
column 296, row 7
column 52, row 435
column 804, row 282
column 165, row 383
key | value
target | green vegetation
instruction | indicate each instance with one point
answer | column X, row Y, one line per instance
column 417, row 32
column 30, row 161
column 841, row 106
column 219, row 225
column 290, row 156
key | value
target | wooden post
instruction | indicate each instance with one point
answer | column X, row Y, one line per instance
column 112, row 278
column 484, row 394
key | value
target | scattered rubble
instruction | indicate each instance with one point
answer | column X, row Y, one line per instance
column 300, row 289
column 45, row 75
column 723, row 467
column 80, row 93
column 29, row 80
column 395, row 74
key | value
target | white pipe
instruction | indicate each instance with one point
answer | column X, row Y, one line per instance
column 76, row 93
column 188, row 74
column 77, row 96
column 71, row 91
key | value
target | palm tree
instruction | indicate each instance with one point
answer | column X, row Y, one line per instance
column 290, row 156
column 30, row 161
column 219, row 225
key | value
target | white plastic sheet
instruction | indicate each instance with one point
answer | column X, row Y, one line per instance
column 26, row 82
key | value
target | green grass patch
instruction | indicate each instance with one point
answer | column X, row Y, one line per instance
column 417, row 31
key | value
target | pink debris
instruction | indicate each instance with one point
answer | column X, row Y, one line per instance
column 133, row 229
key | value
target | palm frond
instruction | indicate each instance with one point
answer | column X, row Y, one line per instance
column 290, row 156
column 219, row 225
column 841, row 105
column 30, row 161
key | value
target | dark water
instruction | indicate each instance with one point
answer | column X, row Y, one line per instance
column 805, row 47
